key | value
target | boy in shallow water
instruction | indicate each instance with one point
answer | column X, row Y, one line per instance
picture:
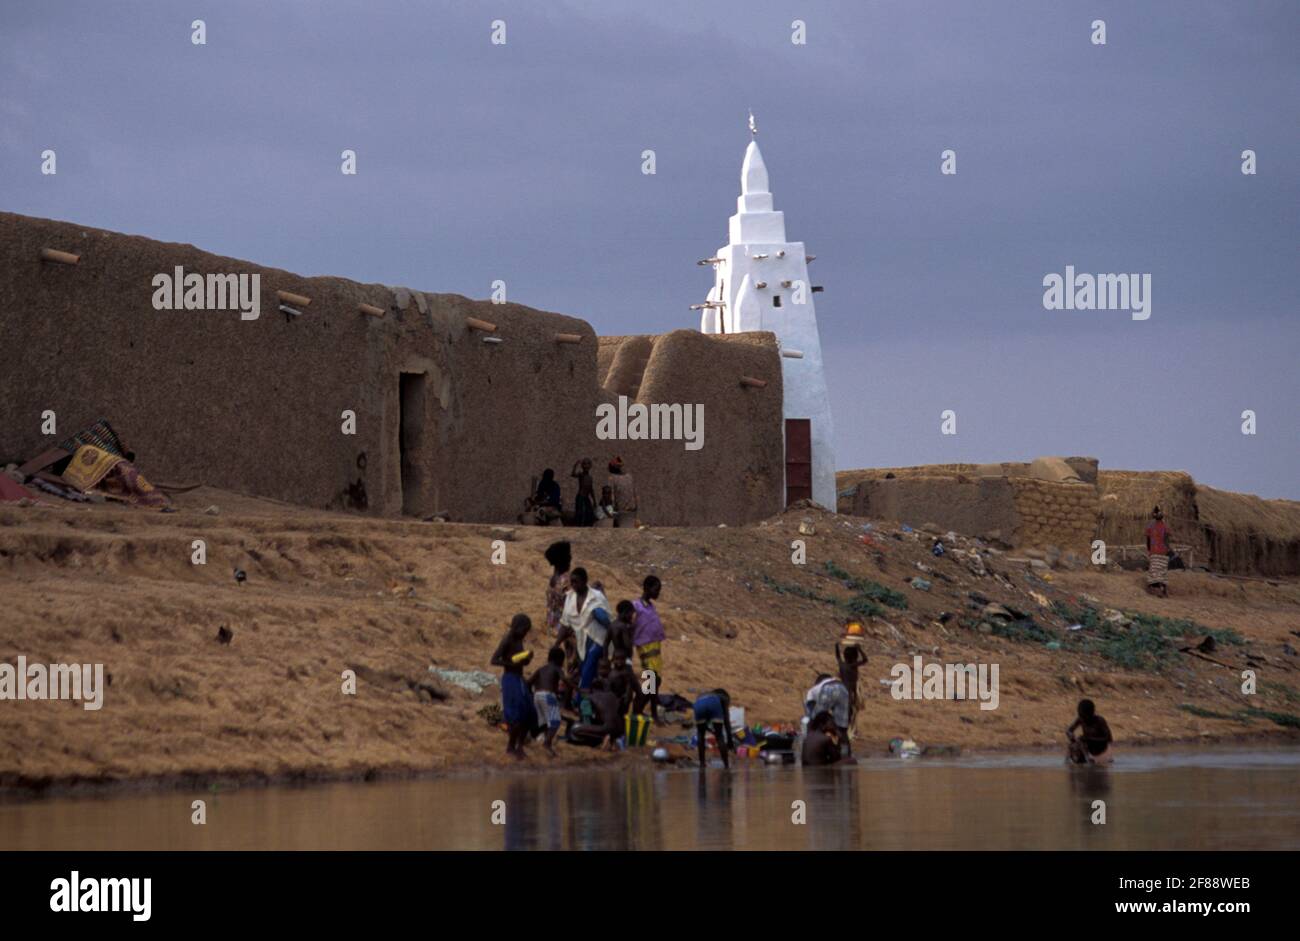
column 1093, row 744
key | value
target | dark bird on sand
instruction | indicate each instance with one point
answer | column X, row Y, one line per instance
column 224, row 634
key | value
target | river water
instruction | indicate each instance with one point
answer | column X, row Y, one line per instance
column 1187, row 799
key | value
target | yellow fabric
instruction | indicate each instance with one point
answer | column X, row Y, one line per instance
column 89, row 466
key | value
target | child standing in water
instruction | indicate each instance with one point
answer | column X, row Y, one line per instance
column 1093, row 745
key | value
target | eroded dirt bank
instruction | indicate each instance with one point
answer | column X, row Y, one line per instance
column 330, row 592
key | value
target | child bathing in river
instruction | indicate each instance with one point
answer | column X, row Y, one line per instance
column 1093, row 744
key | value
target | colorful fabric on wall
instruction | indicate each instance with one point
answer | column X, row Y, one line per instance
column 127, row 483
column 89, row 465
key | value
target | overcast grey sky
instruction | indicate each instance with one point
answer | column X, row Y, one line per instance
column 523, row 162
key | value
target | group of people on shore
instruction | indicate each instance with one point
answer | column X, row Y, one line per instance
column 616, row 505
column 589, row 669
column 589, row 674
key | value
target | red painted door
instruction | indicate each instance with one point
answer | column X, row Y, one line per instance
column 798, row 460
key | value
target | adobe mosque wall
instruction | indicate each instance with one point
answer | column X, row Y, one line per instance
column 256, row 405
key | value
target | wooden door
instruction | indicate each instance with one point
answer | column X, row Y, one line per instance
column 798, row 460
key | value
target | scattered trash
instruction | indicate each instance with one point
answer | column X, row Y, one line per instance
column 1075, row 627
column 904, row 748
column 1053, row 645
column 12, row 491
column 473, row 680
column 806, row 527
column 659, row 754
column 67, row 493
column 937, row 549
column 920, row 584
column 1041, row 599
column 1118, row 618
column 212, row 510
column 636, row 729
column 906, row 528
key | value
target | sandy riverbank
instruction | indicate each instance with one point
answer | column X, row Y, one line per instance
column 329, row 592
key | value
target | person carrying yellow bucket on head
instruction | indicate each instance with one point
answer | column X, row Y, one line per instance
column 850, row 654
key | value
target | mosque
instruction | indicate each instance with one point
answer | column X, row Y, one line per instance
column 761, row 283
column 334, row 394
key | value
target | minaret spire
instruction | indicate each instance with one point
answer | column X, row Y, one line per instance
column 760, row 282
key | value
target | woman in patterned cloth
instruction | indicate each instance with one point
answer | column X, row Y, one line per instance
column 560, row 555
column 1158, row 538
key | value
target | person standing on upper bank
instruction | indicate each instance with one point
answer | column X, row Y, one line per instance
column 1158, row 538
column 624, row 494
column 584, row 505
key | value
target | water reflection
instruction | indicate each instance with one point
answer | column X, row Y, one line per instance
column 1245, row 800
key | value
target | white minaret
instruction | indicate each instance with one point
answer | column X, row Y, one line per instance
column 761, row 283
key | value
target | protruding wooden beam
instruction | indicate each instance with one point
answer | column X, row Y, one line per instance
column 753, row 383
column 293, row 300
column 371, row 309
column 58, row 257
column 568, row 338
column 475, row 324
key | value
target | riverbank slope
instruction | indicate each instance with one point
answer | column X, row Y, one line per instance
column 329, row 592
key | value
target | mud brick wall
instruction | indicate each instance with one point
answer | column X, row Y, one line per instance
column 973, row 506
column 255, row 406
column 1065, row 515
